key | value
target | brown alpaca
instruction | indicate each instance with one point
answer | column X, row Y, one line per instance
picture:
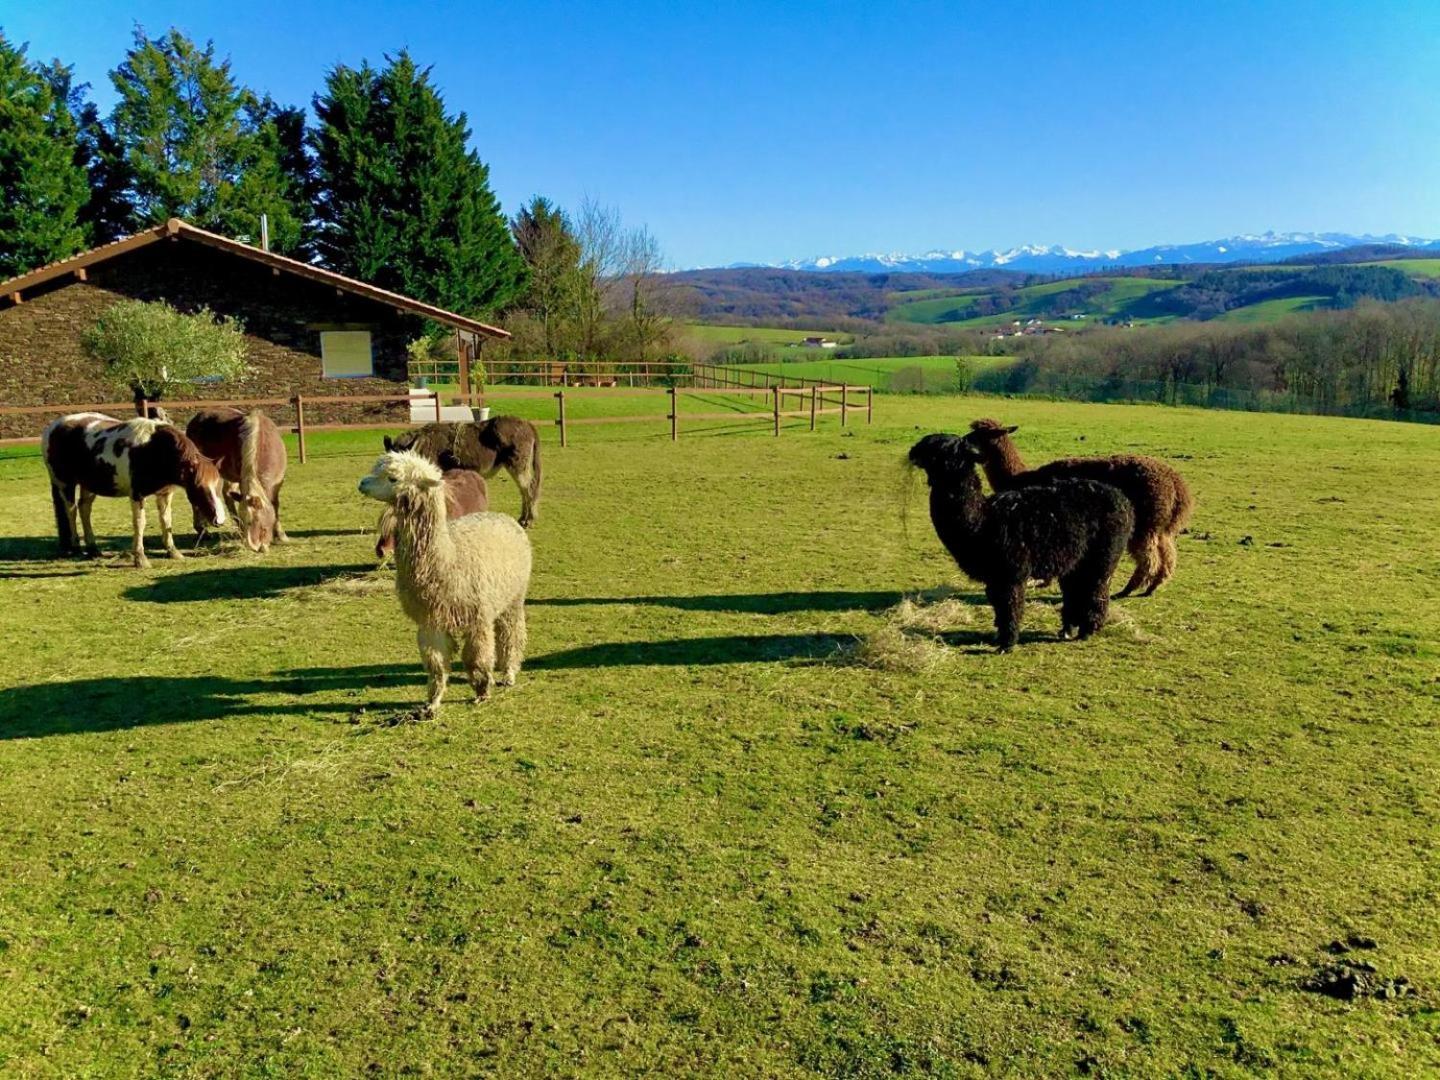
column 1157, row 492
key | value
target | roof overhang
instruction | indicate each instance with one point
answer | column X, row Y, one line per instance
column 14, row 290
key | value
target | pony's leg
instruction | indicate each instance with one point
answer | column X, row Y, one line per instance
column 524, row 478
column 137, row 523
column 510, row 642
column 280, row 537
column 1008, row 600
column 435, row 648
column 479, row 654
column 164, row 506
column 86, row 504
column 167, row 523
column 1147, row 562
column 1169, row 556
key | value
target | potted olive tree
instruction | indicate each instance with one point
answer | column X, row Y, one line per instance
column 150, row 349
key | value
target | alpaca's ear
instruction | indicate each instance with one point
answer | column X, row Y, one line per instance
column 389, row 444
column 1012, row 429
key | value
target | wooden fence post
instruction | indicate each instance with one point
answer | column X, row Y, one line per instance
column 300, row 425
column 560, row 397
column 436, row 395
column 812, row 408
column 869, row 405
column 775, row 393
column 844, row 402
column 142, row 407
column 674, row 415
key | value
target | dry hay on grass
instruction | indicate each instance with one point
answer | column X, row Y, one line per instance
column 908, row 641
column 366, row 584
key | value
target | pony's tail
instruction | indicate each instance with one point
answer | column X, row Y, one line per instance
column 535, row 476
column 63, row 525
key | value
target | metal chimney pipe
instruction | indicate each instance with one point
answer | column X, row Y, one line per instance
column 264, row 232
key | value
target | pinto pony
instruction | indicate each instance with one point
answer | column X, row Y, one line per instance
column 487, row 446
column 89, row 454
column 250, row 454
column 465, row 493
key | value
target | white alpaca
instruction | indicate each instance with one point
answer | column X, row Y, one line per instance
column 462, row 583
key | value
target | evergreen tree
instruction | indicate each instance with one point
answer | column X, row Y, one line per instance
column 107, row 214
column 401, row 200
column 42, row 183
column 200, row 147
column 552, row 254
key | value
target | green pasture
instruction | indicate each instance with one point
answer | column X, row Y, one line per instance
column 1124, row 297
column 904, row 373
column 710, row 334
column 736, row 819
column 1415, row 267
column 1270, row 310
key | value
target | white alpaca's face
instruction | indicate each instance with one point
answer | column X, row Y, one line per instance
column 379, row 484
column 396, row 471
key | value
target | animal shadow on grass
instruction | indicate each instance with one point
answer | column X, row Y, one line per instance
column 742, row 603
column 248, row 582
column 29, row 548
column 679, row 652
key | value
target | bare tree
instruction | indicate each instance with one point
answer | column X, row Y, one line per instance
column 602, row 262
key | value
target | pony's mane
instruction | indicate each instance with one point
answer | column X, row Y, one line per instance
column 193, row 464
column 249, row 450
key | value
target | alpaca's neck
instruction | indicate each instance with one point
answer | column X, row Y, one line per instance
column 424, row 551
column 959, row 513
column 1003, row 463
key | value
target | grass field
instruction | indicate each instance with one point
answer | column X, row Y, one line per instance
column 1125, row 297
column 700, row 837
column 920, row 372
column 761, row 335
column 1414, row 267
column 1270, row 310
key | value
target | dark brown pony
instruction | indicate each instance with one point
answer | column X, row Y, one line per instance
column 250, row 454
column 465, row 493
column 487, row 446
column 89, row 454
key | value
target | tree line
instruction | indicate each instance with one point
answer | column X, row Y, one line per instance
column 1374, row 358
column 382, row 186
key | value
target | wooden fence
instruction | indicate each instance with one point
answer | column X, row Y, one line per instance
column 817, row 399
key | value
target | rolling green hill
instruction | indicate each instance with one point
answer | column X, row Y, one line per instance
column 1093, row 297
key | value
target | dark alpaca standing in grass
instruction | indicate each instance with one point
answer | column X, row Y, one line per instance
column 1157, row 493
column 1073, row 530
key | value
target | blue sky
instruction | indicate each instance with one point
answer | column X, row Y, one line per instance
column 763, row 132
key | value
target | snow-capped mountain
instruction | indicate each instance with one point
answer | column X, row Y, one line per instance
column 1265, row 247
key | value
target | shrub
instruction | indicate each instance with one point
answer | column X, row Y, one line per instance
column 150, row 348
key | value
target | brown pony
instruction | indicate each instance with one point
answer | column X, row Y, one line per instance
column 465, row 493
column 88, row 454
column 487, row 446
column 251, row 457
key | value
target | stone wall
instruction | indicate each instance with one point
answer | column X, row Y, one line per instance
column 42, row 361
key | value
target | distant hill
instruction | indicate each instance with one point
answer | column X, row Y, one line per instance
column 988, row 298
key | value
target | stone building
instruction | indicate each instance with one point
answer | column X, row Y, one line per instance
column 310, row 331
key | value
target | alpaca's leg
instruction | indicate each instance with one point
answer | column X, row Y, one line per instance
column 479, row 654
column 1008, row 600
column 1087, row 599
column 1169, row 556
column 435, row 656
column 87, row 503
column 167, row 523
column 1147, row 562
column 510, row 642
column 137, row 522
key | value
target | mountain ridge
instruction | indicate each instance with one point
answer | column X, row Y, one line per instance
column 1264, row 247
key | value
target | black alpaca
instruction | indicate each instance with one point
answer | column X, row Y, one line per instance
column 1073, row 530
